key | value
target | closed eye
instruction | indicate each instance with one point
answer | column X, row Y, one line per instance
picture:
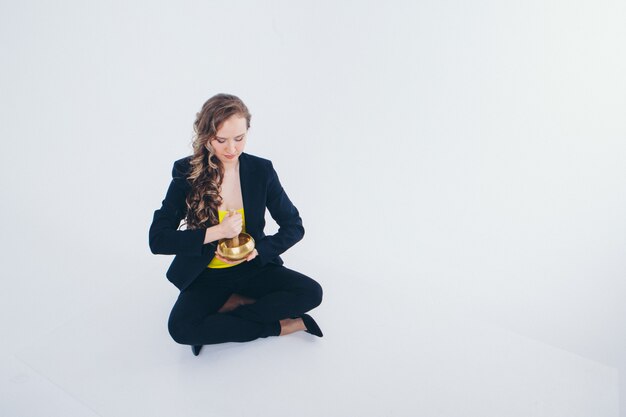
column 237, row 139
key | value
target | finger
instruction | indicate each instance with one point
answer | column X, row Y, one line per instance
column 228, row 261
column 221, row 258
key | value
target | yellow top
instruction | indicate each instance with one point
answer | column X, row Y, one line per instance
column 216, row 263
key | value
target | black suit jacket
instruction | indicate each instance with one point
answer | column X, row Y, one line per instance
column 260, row 188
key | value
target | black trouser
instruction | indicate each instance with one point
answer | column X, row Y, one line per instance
column 279, row 292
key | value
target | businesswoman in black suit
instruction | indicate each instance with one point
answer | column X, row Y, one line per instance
column 221, row 191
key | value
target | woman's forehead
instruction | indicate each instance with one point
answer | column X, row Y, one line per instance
column 232, row 127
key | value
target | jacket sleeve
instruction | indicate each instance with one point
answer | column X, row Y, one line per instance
column 286, row 215
column 164, row 236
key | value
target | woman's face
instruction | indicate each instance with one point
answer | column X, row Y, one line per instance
column 230, row 140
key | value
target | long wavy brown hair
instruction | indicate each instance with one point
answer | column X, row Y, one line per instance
column 207, row 171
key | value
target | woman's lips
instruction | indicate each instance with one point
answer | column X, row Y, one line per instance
column 230, row 156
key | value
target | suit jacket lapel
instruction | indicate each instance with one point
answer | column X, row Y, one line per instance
column 247, row 184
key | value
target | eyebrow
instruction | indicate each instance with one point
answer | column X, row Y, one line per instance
column 238, row 136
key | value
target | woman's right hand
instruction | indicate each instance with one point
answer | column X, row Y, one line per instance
column 232, row 224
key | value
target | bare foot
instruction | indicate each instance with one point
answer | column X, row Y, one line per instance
column 234, row 301
column 243, row 300
column 288, row 326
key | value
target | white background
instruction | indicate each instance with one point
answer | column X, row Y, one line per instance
column 459, row 167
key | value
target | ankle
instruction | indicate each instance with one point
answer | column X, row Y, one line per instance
column 288, row 326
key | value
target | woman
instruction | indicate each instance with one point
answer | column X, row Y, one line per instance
column 220, row 191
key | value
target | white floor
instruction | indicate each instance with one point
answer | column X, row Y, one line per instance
column 470, row 154
column 381, row 356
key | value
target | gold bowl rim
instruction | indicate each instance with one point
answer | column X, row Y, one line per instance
column 250, row 243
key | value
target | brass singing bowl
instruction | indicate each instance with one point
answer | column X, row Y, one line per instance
column 228, row 249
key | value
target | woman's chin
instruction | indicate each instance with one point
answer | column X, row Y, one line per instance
column 227, row 159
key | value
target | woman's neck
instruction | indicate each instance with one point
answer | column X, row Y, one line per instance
column 231, row 168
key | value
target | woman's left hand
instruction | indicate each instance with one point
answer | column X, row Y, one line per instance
column 250, row 257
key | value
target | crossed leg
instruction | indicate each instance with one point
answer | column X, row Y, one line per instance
column 287, row 326
column 260, row 306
